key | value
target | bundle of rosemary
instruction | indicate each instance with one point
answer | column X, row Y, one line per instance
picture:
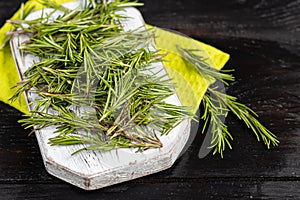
column 95, row 81
column 96, row 84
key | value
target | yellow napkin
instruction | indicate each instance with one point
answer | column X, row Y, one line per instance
column 8, row 72
column 190, row 86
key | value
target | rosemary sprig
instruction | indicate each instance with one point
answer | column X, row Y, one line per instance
column 248, row 116
column 213, row 115
column 207, row 72
column 94, row 81
column 217, row 105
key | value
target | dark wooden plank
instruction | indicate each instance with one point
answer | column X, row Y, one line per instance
column 263, row 38
column 7, row 8
column 20, row 158
column 171, row 190
column 256, row 19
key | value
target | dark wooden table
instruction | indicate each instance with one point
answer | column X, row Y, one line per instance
column 263, row 38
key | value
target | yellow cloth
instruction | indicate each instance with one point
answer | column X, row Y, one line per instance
column 8, row 72
column 190, row 86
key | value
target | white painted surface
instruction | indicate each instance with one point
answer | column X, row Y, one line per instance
column 93, row 169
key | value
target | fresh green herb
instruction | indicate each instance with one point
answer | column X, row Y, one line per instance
column 217, row 105
column 94, row 81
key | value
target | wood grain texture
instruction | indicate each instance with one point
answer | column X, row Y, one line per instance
column 176, row 190
column 262, row 37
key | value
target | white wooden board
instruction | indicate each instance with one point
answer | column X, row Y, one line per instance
column 93, row 169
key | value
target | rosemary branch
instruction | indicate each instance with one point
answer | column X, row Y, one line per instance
column 217, row 105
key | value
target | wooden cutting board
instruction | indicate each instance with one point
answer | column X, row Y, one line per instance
column 93, row 169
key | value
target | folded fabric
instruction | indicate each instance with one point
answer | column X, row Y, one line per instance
column 189, row 84
column 8, row 71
